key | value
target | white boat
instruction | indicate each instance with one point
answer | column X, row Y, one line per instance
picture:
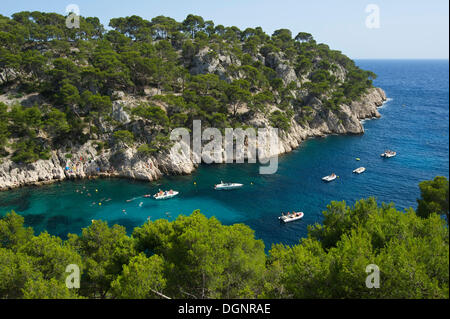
column 227, row 186
column 359, row 170
column 165, row 195
column 329, row 178
column 389, row 154
column 290, row 217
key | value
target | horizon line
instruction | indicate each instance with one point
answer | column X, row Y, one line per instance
column 445, row 59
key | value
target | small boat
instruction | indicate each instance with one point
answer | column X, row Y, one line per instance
column 389, row 154
column 359, row 170
column 329, row 178
column 227, row 186
column 165, row 195
column 147, row 196
column 290, row 217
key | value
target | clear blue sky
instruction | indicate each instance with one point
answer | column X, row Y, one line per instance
column 408, row 28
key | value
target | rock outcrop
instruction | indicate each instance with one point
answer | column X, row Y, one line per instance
column 85, row 162
column 283, row 69
column 207, row 61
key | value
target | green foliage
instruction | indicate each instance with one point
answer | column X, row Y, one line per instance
column 80, row 72
column 434, row 197
column 205, row 259
column 51, row 256
column 261, row 100
column 25, row 121
column 411, row 253
column 47, row 289
column 280, row 120
column 28, row 151
column 142, row 278
column 304, row 37
column 103, row 250
column 124, row 136
column 193, row 24
column 95, row 102
column 146, row 150
column 16, row 270
column 197, row 257
column 238, row 94
column 158, row 143
column 4, row 132
column 56, row 123
column 12, row 233
column 152, row 113
column 178, row 120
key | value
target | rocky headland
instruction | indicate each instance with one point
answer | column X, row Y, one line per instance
column 85, row 162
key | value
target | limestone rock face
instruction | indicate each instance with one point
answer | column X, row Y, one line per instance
column 282, row 67
column 85, row 162
column 7, row 75
column 367, row 106
column 206, row 61
column 119, row 114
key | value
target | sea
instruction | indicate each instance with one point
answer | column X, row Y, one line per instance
column 414, row 122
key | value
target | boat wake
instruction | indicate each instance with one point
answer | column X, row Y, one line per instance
column 389, row 99
column 133, row 199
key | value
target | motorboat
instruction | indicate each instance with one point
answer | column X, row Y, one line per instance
column 290, row 217
column 227, row 186
column 359, row 170
column 389, row 154
column 165, row 195
column 329, row 178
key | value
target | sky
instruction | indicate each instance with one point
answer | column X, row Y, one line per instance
column 398, row 29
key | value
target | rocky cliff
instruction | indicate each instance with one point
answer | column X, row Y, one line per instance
column 86, row 162
column 119, row 114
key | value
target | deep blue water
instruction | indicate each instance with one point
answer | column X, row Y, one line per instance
column 415, row 123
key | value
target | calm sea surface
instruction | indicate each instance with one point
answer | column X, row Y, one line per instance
column 415, row 123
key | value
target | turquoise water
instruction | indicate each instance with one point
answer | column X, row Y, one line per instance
column 415, row 123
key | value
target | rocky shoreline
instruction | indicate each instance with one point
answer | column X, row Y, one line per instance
column 85, row 162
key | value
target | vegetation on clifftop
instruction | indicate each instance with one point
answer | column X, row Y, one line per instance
column 80, row 72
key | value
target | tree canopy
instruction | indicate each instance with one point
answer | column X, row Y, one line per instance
column 197, row 257
column 81, row 72
column 434, row 197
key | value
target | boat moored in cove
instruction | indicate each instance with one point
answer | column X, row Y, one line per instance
column 359, row 170
column 290, row 217
column 329, row 178
column 165, row 195
column 227, row 186
column 389, row 154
